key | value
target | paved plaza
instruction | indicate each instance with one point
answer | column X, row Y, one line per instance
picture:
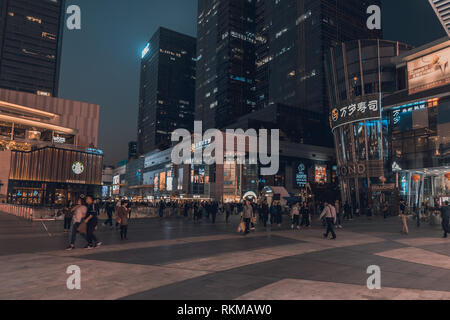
column 177, row 259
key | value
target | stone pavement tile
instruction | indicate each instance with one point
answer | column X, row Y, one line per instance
column 233, row 260
column 293, row 289
column 443, row 248
column 148, row 244
column 427, row 241
column 167, row 254
column 344, row 238
column 217, row 286
column 374, row 247
column 45, row 278
column 419, row 256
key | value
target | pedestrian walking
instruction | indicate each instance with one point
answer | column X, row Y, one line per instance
column 273, row 213
column 227, row 211
column 91, row 221
column 384, row 209
column 419, row 214
column 279, row 214
column 214, row 209
column 68, row 216
column 339, row 214
column 348, row 212
column 295, row 216
column 80, row 211
column 247, row 215
column 445, row 214
column 122, row 214
column 306, row 216
column 329, row 213
column 264, row 213
column 109, row 209
column 404, row 217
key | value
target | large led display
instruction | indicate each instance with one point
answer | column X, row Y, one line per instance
column 429, row 71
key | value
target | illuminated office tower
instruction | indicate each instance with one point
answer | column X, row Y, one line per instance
column 167, row 89
column 293, row 37
column 442, row 9
column 226, row 61
column 30, row 45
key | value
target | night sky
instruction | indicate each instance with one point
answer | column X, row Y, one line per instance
column 100, row 62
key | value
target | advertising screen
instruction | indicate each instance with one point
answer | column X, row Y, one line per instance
column 429, row 72
column 116, row 184
column 321, row 174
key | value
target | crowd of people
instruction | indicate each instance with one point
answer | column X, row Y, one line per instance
column 82, row 217
column 425, row 213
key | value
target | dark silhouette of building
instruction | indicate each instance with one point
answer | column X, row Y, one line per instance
column 132, row 150
column 30, row 45
column 225, row 61
column 167, row 90
column 293, row 37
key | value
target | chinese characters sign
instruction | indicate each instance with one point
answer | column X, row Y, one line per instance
column 301, row 177
column 365, row 108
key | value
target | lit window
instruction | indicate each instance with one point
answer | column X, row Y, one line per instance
column 43, row 93
column 48, row 35
column 34, row 19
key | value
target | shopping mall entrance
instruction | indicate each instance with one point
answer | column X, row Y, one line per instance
column 429, row 186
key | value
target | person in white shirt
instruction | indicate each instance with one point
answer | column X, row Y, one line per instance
column 295, row 216
column 80, row 211
column 329, row 212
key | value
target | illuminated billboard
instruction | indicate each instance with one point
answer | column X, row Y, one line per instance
column 116, row 184
column 429, row 71
column 320, row 175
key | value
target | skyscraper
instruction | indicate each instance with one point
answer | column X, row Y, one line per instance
column 293, row 37
column 442, row 9
column 30, row 45
column 226, row 61
column 167, row 89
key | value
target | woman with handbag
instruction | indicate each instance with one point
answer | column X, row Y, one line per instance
column 79, row 226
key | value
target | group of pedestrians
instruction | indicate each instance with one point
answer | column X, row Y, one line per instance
column 425, row 212
column 84, row 216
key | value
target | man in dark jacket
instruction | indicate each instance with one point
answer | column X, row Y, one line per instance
column 445, row 212
column 264, row 213
column 213, row 209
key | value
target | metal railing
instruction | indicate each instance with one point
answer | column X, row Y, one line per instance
column 27, row 212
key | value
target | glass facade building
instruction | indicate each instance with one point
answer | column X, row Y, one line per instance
column 359, row 73
column 167, row 89
column 292, row 39
column 30, row 45
column 390, row 117
column 226, row 46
